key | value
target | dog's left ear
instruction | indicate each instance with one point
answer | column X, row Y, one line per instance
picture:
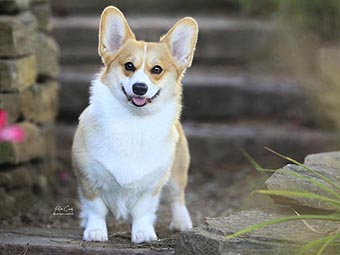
column 114, row 31
column 181, row 40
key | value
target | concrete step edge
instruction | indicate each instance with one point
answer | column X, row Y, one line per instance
column 216, row 23
column 216, row 145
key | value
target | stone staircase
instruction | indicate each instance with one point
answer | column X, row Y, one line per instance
column 227, row 102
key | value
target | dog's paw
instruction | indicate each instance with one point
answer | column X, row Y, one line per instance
column 180, row 219
column 95, row 234
column 143, row 235
column 181, row 225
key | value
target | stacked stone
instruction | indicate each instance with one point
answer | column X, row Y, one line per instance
column 29, row 94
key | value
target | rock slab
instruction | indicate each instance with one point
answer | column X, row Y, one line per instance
column 47, row 51
column 17, row 34
column 17, row 74
column 280, row 239
column 325, row 164
column 33, row 147
column 40, row 102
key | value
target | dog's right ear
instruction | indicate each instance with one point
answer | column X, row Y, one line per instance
column 114, row 31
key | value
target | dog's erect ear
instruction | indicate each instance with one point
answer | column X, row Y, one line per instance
column 181, row 39
column 114, row 31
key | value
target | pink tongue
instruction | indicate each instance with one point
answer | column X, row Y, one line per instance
column 139, row 101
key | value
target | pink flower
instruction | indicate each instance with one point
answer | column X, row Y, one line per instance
column 12, row 133
column 3, row 119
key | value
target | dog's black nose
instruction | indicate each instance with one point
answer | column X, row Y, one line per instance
column 139, row 88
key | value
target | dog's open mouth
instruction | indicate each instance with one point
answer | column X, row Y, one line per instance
column 140, row 101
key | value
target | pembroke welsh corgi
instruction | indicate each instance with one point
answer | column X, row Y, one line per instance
column 129, row 142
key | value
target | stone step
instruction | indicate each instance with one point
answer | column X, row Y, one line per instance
column 57, row 241
column 279, row 239
column 221, row 39
column 216, row 145
column 147, row 6
column 209, row 94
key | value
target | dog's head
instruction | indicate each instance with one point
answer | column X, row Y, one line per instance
column 144, row 74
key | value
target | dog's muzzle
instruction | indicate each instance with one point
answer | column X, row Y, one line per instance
column 140, row 101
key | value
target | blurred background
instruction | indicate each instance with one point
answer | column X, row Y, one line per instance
column 265, row 73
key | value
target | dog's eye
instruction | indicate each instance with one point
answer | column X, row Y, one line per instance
column 156, row 69
column 129, row 67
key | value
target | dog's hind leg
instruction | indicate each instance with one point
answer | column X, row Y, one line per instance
column 178, row 181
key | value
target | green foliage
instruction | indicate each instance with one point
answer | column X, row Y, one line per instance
column 5, row 150
column 319, row 245
column 258, row 7
column 321, row 17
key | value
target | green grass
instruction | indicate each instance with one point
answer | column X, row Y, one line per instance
column 319, row 246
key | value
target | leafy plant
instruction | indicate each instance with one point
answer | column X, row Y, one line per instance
column 328, row 239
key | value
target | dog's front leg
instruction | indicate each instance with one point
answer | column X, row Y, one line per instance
column 143, row 217
column 94, row 214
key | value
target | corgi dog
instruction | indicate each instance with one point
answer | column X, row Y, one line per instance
column 129, row 142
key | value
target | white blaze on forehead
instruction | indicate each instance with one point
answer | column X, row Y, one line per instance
column 144, row 56
column 140, row 74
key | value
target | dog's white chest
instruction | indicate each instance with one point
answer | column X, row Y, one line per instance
column 136, row 151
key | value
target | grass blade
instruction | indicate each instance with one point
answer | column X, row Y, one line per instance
column 335, row 185
column 301, row 194
column 253, row 162
column 316, row 243
column 326, row 244
column 282, row 220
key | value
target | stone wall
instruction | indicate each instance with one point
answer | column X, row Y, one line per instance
column 29, row 94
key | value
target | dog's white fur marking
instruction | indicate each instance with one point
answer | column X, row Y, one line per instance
column 129, row 146
column 143, row 217
column 94, row 213
column 128, row 155
column 180, row 217
column 144, row 56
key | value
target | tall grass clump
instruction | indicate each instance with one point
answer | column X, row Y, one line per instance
column 330, row 240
